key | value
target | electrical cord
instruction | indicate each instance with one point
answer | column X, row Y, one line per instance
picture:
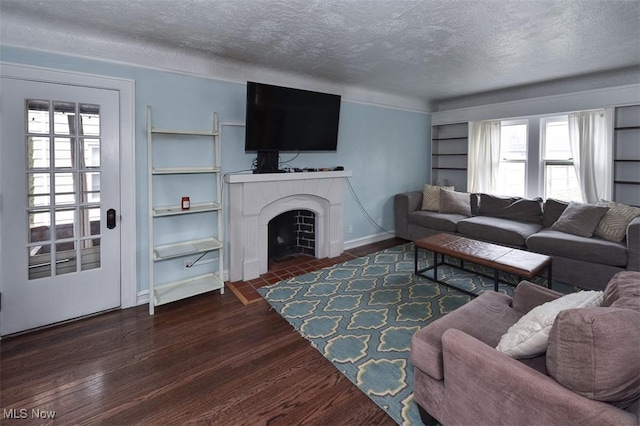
column 364, row 211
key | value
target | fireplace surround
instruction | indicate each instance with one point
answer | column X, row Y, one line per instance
column 255, row 199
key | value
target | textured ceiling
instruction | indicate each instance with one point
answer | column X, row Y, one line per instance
column 429, row 49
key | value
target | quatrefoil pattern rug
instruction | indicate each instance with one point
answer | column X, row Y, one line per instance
column 361, row 316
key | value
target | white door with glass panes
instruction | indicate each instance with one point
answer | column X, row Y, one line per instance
column 59, row 211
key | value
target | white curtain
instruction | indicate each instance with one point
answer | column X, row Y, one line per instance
column 484, row 156
column 591, row 138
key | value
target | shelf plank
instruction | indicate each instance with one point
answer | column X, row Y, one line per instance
column 450, row 139
column 185, row 248
column 177, row 210
column 183, row 170
column 177, row 290
column 449, row 168
column 626, row 182
column 183, row 132
column 627, row 128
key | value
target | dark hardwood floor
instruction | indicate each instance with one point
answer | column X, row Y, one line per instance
column 209, row 359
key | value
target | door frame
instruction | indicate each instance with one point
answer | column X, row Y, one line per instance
column 127, row 222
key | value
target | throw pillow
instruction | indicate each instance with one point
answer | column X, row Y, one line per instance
column 528, row 337
column 431, row 196
column 552, row 211
column 580, row 219
column 594, row 352
column 455, row 202
column 515, row 208
column 613, row 225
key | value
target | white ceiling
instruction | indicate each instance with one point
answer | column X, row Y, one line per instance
column 427, row 49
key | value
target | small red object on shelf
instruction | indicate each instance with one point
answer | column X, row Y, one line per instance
column 185, row 203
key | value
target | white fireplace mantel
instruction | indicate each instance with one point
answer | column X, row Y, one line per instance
column 255, row 199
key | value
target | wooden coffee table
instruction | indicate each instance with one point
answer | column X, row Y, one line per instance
column 522, row 263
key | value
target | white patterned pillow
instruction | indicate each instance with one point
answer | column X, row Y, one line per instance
column 613, row 225
column 431, row 196
column 530, row 335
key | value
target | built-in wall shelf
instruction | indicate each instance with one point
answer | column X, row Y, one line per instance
column 178, row 210
column 626, row 163
column 449, row 151
column 167, row 223
column 182, row 289
column 183, row 170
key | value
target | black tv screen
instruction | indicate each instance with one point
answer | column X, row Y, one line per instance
column 286, row 119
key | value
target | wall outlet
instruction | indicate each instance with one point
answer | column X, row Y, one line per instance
column 350, row 229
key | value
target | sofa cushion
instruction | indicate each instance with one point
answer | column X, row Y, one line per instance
column 613, row 226
column 623, row 291
column 595, row 351
column 594, row 250
column 455, row 202
column 431, row 196
column 434, row 220
column 580, row 219
column 487, row 318
column 515, row 208
column 552, row 210
column 528, row 337
column 498, row 230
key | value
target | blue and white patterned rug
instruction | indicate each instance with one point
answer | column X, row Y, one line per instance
column 361, row 316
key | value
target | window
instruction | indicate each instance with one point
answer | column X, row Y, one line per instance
column 513, row 158
column 559, row 174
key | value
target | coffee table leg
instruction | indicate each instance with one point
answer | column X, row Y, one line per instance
column 496, row 280
column 435, row 266
column 549, row 276
column 415, row 259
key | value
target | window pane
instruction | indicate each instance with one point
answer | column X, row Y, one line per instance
column 64, row 118
column 37, row 116
column 64, row 153
column 65, row 188
column 561, row 183
column 37, row 152
column 90, row 119
column 557, row 146
column 513, row 141
column 511, row 179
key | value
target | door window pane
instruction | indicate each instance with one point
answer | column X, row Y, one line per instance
column 39, row 261
column 65, row 223
column 65, row 258
column 90, row 119
column 64, row 118
column 37, row 152
column 65, row 188
column 90, row 153
column 64, row 153
column 37, row 116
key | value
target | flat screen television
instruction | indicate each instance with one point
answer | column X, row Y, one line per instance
column 287, row 119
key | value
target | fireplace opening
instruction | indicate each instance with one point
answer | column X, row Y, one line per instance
column 292, row 233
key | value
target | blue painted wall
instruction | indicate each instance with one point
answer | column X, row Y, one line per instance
column 387, row 149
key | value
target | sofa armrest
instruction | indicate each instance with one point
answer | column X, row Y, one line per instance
column 633, row 245
column 403, row 204
column 496, row 389
column 528, row 295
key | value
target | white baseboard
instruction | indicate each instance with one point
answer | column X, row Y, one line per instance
column 363, row 241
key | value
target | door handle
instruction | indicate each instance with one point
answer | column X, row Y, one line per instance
column 111, row 218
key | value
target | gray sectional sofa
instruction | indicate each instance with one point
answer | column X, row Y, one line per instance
column 586, row 262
